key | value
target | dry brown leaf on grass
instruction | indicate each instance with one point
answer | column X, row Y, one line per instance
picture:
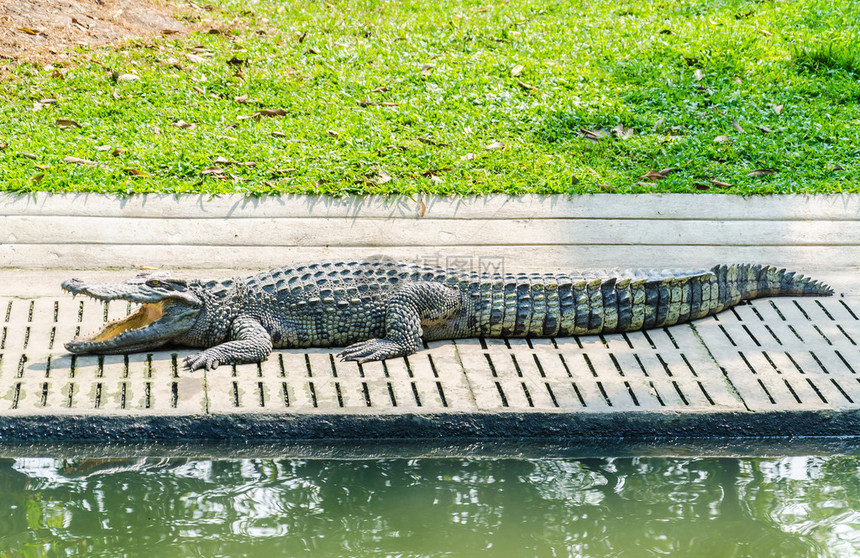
column 183, row 125
column 761, row 172
column 495, row 145
column 622, row 132
column 127, row 78
column 103, row 148
column 736, row 125
column 272, row 112
column 433, row 142
column 134, row 172
column 699, row 75
column 722, row 139
column 427, row 68
column 79, row 161
column 525, row 85
column 37, row 178
column 719, row 184
column 778, row 109
column 517, row 70
column 700, row 186
column 381, row 177
column 658, row 174
column 468, row 157
column 64, row 124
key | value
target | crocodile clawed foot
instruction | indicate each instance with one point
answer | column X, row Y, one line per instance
column 204, row 359
column 372, row 349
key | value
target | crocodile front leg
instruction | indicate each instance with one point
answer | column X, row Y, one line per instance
column 251, row 343
column 407, row 308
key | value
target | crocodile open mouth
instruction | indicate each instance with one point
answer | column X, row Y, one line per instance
column 148, row 314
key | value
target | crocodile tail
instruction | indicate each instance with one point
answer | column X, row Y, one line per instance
column 745, row 281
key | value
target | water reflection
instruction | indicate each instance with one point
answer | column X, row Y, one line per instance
column 640, row 506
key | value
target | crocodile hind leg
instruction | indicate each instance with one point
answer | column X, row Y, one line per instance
column 411, row 305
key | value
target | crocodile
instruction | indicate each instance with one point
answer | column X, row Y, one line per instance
column 380, row 308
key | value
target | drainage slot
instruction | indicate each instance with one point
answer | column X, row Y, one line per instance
column 259, row 391
column 26, row 336
column 528, row 395
column 590, row 366
column 8, row 311
column 648, row 338
column 579, row 395
column 690, row 366
column 744, row 358
column 794, row 331
column 71, row 399
column 842, row 391
column 641, row 366
column 391, row 395
column 680, row 393
column 603, row 393
column 283, row 371
column 366, row 391
column 415, row 394
column 627, row 339
column 665, row 366
column 311, row 373
column 632, row 395
column 21, row 362
column 776, row 309
column 17, row 394
column 845, row 362
column 285, row 393
column 492, row 366
column 819, row 363
column 671, row 337
column 539, row 367
column 823, row 309
column 551, row 394
column 842, row 302
column 441, row 394
column 656, row 394
column 313, row 392
column 3, row 339
column 235, row 394
column 339, row 394
column 517, row 366
column 52, row 338
column 729, row 337
column 772, row 334
column 705, row 392
column 757, row 344
column 845, row 334
column 821, row 333
column 502, row 394
column 563, row 363
column 408, row 367
column 802, row 311
column 44, row 400
column 98, row 395
column 817, row 391
column 123, row 393
column 794, row 362
column 617, row 366
column 174, row 394
column 771, row 362
column 433, row 366
column 766, row 392
column 791, row 389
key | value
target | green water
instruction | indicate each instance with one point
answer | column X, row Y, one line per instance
column 802, row 505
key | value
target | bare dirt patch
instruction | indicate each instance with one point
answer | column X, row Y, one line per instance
column 32, row 30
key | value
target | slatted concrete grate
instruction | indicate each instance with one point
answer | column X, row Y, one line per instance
column 772, row 355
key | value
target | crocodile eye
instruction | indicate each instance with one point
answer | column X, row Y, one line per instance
column 153, row 283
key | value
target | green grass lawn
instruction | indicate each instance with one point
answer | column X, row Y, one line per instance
column 453, row 97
